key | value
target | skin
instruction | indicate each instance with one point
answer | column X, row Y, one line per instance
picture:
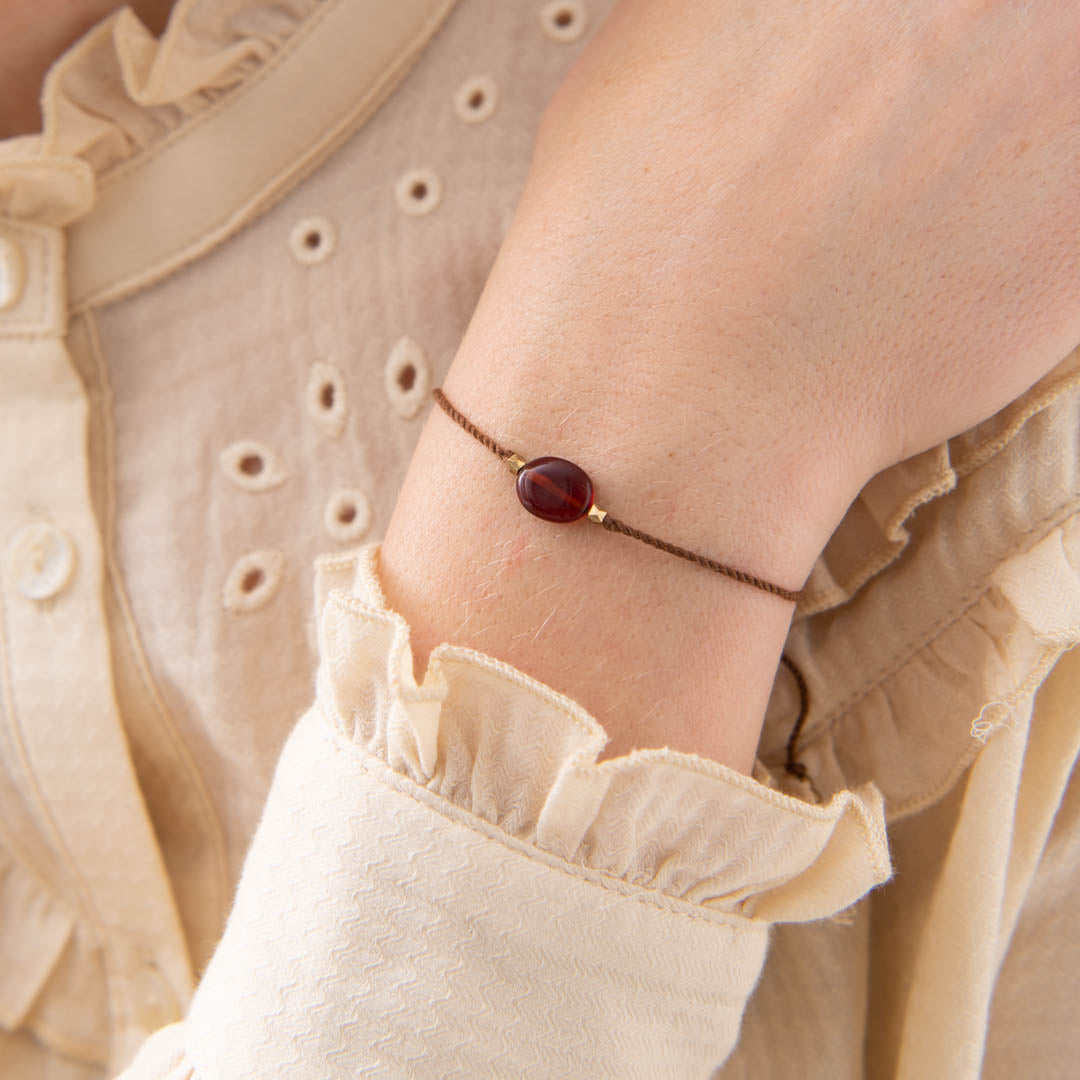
column 35, row 33
column 766, row 249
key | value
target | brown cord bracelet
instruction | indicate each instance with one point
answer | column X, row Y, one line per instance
column 557, row 490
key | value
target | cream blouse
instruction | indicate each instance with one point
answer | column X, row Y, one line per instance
column 232, row 268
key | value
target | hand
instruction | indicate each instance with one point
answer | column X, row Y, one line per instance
column 766, row 249
column 854, row 227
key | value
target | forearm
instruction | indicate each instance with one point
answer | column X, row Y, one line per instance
column 660, row 650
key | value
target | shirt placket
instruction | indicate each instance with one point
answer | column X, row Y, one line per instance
column 58, row 697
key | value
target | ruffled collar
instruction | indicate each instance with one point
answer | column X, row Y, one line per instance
column 119, row 91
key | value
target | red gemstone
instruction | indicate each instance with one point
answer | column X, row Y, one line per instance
column 554, row 489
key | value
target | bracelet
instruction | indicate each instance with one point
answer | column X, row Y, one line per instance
column 555, row 489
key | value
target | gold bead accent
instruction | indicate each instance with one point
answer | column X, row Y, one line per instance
column 514, row 463
column 596, row 514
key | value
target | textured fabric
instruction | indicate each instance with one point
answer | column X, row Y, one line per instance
column 491, row 864
column 226, row 810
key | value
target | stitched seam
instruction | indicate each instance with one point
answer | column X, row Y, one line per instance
column 845, row 589
column 35, row 323
column 902, row 657
column 23, row 862
column 46, row 277
column 29, row 335
column 305, row 29
column 355, row 608
column 806, row 810
column 131, row 638
column 464, row 819
column 85, row 908
column 1022, row 693
column 991, row 447
column 956, row 770
column 274, row 189
column 975, row 459
column 778, row 799
column 335, row 561
column 881, row 869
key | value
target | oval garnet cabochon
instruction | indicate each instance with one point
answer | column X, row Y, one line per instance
column 554, row 489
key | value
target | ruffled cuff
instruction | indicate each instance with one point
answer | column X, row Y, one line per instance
column 446, row 883
column 54, row 980
column 506, row 748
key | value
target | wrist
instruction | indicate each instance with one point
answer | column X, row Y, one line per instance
column 667, row 453
column 661, row 651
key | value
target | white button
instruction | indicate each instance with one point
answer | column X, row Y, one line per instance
column 12, row 273
column 41, row 558
column 155, row 1003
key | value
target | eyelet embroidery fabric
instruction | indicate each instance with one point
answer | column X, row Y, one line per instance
column 563, row 20
column 476, row 99
column 327, row 402
column 253, row 580
column 963, row 560
column 312, row 240
column 407, row 378
column 252, row 465
column 347, row 515
column 478, row 792
column 419, row 191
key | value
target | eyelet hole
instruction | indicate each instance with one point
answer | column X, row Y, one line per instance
column 475, row 99
column 419, row 191
column 253, row 580
column 326, row 398
column 563, row 20
column 252, row 465
column 407, row 377
column 347, row 514
column 312, row 240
